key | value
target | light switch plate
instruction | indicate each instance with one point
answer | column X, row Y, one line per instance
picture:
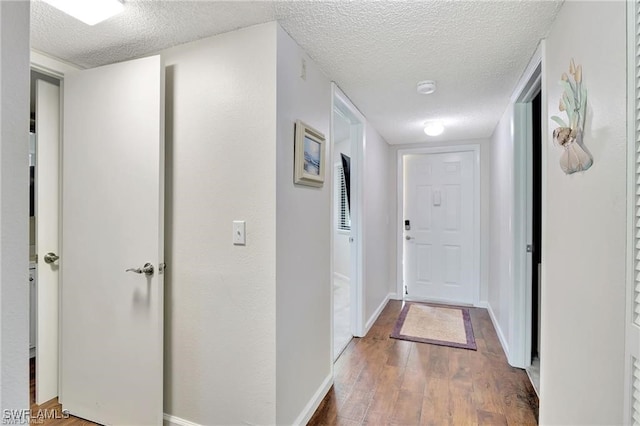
column 239, row 233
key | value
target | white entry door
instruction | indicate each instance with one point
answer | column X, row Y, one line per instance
column 47, row 243
column 439, row 258
column 112, row 221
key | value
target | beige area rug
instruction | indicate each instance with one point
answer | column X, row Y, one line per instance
column 436, row 324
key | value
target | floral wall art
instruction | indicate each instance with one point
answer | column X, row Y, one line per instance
column 569, row 135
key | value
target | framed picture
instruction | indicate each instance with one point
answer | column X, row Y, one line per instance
column 309, row 156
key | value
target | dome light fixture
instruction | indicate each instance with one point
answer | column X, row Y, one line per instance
column 433, row 128
column 426, row 87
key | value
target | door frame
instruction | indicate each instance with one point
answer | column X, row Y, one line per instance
column 521, row 296
column 53, row 327
column 56, row 69
column 358, row 150
column 49, row 66
column 335, row 232
column 475, row 149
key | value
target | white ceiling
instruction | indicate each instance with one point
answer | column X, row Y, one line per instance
column 375, row 50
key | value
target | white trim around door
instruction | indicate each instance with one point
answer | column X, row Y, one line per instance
column 358, row 150
column 521, row 298
column 475, row 148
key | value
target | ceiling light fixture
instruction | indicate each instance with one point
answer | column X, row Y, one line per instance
column 433, row 128
column 426, row 87
column 89, row 12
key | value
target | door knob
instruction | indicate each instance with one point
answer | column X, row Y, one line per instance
column 51, row 257
column 147, row 269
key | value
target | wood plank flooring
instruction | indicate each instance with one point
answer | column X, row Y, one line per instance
column 384, row 381
column 49, row 413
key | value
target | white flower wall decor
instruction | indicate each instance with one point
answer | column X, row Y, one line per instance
column 573, row 102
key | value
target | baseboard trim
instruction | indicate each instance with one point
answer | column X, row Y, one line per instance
column 499, row 332
column 377, row 313
column 315, row 401
column 170, row 420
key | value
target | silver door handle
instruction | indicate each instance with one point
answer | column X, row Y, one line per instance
column 51, row 257
column 147, row 269
column 409, row 238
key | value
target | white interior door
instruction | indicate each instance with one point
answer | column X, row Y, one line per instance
column 439, row 244
column 47, row 244
column 112, row 220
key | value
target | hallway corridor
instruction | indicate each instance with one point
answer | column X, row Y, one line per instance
column 379, row 380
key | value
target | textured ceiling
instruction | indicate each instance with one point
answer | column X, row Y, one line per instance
column 375, row 50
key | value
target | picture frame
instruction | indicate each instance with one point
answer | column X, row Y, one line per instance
column 309, row 161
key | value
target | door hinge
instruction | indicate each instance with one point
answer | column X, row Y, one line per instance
column 529, row 248
column 162, row 267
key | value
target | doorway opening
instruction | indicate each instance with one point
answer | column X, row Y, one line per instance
column 98, row 147
column 536, row 237
column 525, row 302
column 341, row 162
column 44, row 148
column 347, row 152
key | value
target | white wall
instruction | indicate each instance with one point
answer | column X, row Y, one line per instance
column 396, row 222
column 220, row 360
column 14, row 184
column 341, row 245
column 583, row 284
column 377, row 240
column 303, row 240
column 501, row 204
column 248, row 333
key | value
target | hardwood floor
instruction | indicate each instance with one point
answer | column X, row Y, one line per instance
column 384, row 381
column 49, row 413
